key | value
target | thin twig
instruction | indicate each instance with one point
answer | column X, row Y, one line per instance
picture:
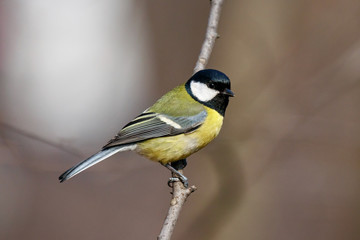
column 211, row 35
column 38, row 138
column 179, row 192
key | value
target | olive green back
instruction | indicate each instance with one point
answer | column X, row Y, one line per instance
column 177, row 103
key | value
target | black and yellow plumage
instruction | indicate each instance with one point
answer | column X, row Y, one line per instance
column 180, row 123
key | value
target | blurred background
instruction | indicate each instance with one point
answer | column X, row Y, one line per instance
column 285, row 166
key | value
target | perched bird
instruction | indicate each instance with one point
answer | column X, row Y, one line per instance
column 179, row 124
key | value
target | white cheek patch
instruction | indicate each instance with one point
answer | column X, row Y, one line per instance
column 202, row 92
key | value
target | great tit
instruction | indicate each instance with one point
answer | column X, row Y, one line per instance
column 179, row 124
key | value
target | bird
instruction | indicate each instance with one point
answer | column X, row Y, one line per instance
column 180, row 123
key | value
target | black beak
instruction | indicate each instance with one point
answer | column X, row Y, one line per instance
column 228, row 92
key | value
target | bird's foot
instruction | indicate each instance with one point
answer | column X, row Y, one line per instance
column 182, row 179
column 180, row 176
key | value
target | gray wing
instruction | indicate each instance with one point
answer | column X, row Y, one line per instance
column 153, row 125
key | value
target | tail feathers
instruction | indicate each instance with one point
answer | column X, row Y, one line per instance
column 94, row 159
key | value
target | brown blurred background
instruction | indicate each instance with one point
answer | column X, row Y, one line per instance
column 285, row 166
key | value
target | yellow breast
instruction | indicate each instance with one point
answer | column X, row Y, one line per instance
column 174, row 148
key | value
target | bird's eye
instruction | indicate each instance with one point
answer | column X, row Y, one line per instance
column 211, row 85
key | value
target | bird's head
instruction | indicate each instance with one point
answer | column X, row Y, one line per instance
column 211, row 88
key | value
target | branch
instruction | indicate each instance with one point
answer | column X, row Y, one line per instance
column 179, row 192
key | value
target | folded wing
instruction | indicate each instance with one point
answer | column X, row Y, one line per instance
column 153, row 125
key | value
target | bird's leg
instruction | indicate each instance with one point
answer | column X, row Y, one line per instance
column 179, row 165
column 182, row 178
